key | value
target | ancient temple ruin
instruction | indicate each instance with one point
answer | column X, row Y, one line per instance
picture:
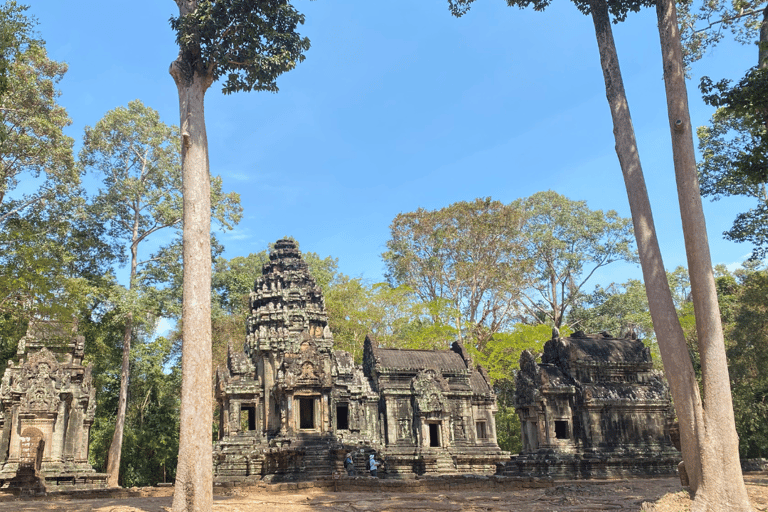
column 593, row 407
column 291, row 406
column 47, row 405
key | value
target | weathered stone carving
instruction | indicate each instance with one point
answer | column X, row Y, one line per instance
column 593, row 407
column 47, row 406
column 292, row 407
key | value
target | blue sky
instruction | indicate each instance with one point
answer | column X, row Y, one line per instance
column 398, row 106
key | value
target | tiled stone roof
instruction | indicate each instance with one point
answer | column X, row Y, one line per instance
column 478, row 384
column 404, row 359
column 598, row 349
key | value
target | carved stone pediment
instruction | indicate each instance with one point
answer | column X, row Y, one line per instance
column 428, row 387
column 40, row 381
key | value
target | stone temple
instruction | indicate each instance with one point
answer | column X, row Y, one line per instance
column 594, row 407
column 292, row 407
column 47, row 406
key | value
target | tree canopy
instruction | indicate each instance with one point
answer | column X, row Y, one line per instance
column 566, row 242
column 468, row 254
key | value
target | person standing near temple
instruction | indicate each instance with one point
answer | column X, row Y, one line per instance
column 349, row 465
column 372, row 465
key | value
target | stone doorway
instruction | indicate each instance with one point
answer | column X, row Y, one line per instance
column 561, row 430
column 434, row 435
column 32, row 448
column 306, row 413
column 342, row 416
column 248, row 418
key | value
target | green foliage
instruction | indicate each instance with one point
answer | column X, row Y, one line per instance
column 566, row 243
column 33, row 147
column 136, row 156
column 466, row 255
column 621, row 309
column 508, row 430
column 395, row 317
column 16, row 36
column 53, row 263
column 735, row 152
column 501, row 356
column 248, row 42
column 151, row 436
column 747, row 350
column 704, row 27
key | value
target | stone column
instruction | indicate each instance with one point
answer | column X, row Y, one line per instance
column 13, row 450
column 234, row 416
column 57, row 437
column 325, row 422
column 82, row 453
column 286, row 414
column 391, row 419
column 74, row 431
column 269, row 400
column 5, row 436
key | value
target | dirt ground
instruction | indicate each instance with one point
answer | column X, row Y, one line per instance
column 659, row 495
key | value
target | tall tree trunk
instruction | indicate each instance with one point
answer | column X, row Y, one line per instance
column 194, row 480
column 116, row 448
column 674, row 351
column 721, row 486
column 114, row 455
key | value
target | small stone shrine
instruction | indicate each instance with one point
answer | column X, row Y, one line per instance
column 594, row 407
column 47, row 406
column 292, row 407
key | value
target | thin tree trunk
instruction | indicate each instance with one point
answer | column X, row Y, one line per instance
column 194, row 480
column 674, row 351
column 116, row 448
column 722, row 485
column 114, row 455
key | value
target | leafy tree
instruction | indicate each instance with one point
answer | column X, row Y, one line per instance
column 734, row 148
column 469, row 255
column 734, row 145
column 249, row 43
column 703, row 28
column 151, row 428
column 501, row 357
column 51, row 255
column 621, row 309
column 53, row 263
column 16, row 36
column 33, row 147
column 747, row 354
column 394, row 317
column 566, row 243
column 136, row 155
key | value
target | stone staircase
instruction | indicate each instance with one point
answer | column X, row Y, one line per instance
column 318, row 461
column 438, row 463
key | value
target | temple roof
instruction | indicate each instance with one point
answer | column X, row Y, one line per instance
column 407, row 359
column 478, row 383
column 597, row 348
